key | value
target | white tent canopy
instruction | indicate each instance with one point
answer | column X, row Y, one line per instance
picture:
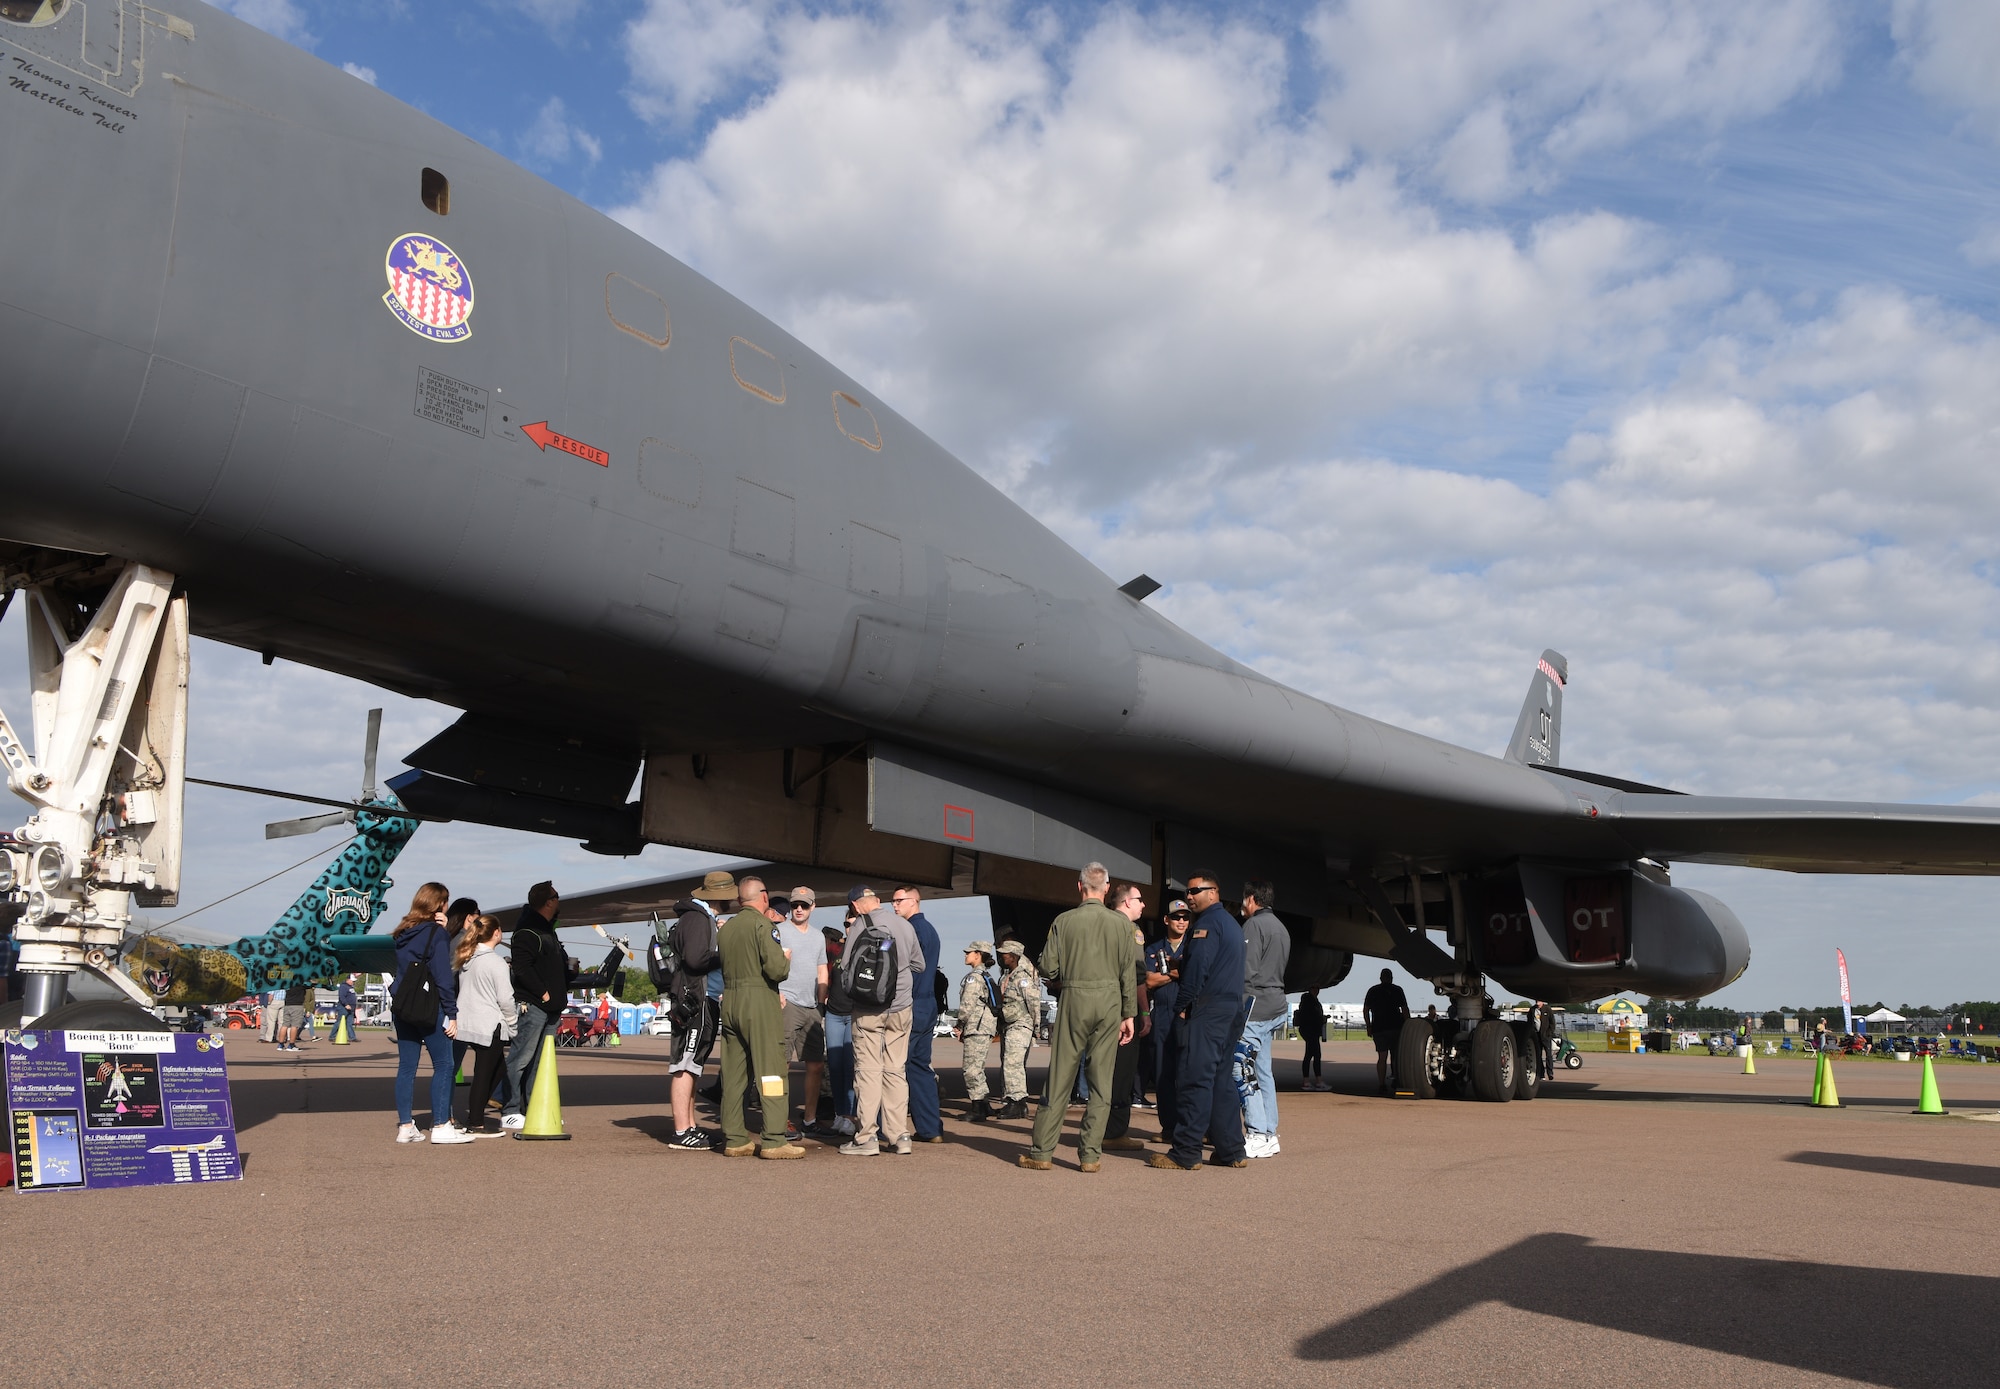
column 1883, row 1015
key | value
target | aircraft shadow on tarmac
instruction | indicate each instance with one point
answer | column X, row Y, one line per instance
column 1918, row 1330
column 1963, row 1173
column 258, row 1098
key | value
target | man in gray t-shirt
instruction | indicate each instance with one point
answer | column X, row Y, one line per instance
column 803, row 993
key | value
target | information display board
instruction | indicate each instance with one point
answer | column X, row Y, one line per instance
column 99, row 1109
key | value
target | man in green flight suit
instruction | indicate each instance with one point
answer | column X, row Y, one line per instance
column 754, row 963
column 1090, row 956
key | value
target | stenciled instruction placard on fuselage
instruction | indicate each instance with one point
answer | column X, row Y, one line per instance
column 100, row 1109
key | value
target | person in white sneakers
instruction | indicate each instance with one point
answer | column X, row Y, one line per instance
column 487, row 1015
column 421, row 944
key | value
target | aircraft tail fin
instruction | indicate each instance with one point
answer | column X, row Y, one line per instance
column 1537, row 739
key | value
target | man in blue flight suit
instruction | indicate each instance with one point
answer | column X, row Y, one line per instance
column 1209, row 1023
column 926, row 1118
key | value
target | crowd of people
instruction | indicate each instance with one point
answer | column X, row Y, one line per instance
column 1190, row 1018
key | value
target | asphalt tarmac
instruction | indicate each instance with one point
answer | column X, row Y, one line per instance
column 1647, row 1220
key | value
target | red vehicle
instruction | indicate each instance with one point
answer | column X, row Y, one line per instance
column 244, row 1013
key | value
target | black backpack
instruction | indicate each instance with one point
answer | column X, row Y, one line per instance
column 868, row 968
column 415, row 1004
column 663, row 956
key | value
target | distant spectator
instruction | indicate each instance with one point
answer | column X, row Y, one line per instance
column 1545, row 1040
column 1384, row 1010
column 487, row 1013
column 271, row 1027
column 1310, row 1019
column 343, row 1008
column 296, row 997
column 421, row 944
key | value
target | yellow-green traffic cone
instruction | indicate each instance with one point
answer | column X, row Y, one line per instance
column 341, row 1036
column 612, row 1040
column 1927, row 1098
column 1825, row 1094
column 1750, row 1061
column 544, row 1119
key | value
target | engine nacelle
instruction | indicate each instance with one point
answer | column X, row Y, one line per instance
column 1572, row 933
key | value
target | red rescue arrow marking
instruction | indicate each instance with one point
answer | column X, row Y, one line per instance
column 544, row 438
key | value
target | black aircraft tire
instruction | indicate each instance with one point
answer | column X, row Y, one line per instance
column 1572, row 1062
column 1526, row 1082
column 1493, row 1061
column 1413, row 1060
column 92, row 1015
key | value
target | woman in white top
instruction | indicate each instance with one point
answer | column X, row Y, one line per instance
column 487, row 1013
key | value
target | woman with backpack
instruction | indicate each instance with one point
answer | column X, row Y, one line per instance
column 423, row 1005
column 487, row 1012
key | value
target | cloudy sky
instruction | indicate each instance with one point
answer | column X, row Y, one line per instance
column 1400, row 339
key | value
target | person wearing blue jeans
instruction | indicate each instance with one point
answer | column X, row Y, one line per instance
column 1267, row 949
column 423, row 948
column 926, row 1114
column 540, row 970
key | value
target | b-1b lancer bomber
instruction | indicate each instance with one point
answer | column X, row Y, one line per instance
column 290, row 365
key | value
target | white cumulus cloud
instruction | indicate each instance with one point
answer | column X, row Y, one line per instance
column 366, row 74
column 554, row 138
column 283, row 18
column 1952, row 50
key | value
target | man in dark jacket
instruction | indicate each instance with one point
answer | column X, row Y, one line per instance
column 926, row 1113
column 1209, row 1023
column 690, row 1013
column 540, row 972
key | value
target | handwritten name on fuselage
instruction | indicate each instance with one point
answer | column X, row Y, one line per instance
column 19, row 82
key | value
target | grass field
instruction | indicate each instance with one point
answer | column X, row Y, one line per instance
column 1595, row 1042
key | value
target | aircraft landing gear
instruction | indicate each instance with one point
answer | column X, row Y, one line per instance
column 1471, row 1054
column 107, row 653
column 1420, row 1060
column 1494, row 1064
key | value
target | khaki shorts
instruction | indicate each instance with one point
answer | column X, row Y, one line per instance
column 805, row 1033
column 295, row 1016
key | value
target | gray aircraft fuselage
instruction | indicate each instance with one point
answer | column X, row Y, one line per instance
column 237, row 344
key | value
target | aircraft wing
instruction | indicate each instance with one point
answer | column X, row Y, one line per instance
column 1808, row 836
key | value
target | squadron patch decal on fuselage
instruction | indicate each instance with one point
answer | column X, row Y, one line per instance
column 430, row 290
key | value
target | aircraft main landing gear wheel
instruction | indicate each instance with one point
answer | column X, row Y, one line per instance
column 1419, row 1060
column 1494, row 1064
column 1527, row 1081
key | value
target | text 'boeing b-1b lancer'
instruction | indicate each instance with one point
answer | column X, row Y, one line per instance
column 288, row 364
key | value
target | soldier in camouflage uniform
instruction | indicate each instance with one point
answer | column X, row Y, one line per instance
column 1020, row 1012
column 975, row 1028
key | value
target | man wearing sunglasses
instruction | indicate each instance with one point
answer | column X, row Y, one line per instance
column 1209, row 1024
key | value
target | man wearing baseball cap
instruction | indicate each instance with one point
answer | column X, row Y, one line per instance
column 803, row 991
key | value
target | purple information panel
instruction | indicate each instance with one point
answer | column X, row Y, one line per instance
column 96, row 1109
